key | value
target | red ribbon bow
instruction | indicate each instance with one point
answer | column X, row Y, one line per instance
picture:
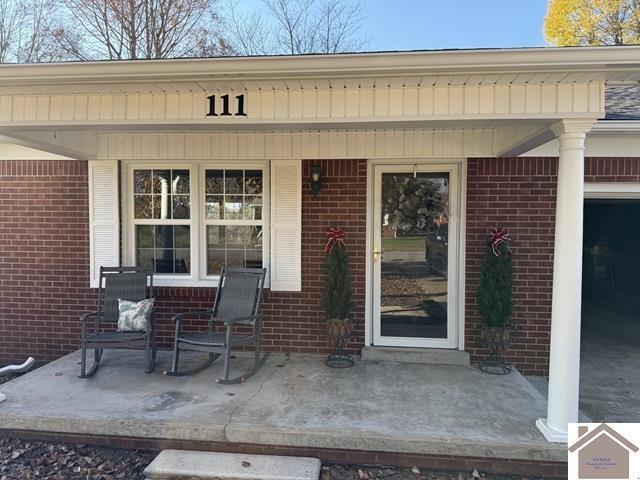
column 498, row 237
column 334, row 235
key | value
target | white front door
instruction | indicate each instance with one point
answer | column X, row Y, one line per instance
column 415, row 255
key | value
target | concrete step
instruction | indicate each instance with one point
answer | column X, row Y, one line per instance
column 431, row 356
column 187, row 464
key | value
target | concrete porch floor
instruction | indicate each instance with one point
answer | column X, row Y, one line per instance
column 292, row 401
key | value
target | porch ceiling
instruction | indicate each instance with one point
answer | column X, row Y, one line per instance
column 461, row 140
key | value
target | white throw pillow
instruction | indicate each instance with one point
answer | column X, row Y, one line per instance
column 132, row 316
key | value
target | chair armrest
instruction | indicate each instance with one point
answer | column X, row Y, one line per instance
column 88, row 315
column 180, row 316
column 233, row 321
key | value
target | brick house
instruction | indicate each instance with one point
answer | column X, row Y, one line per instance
column 189, row 164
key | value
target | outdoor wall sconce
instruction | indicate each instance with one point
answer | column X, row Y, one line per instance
column 316, row 179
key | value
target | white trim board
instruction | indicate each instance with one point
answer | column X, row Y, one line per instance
column 629, row 191
column 270, row 105
column 598, row 143
column 307, row 144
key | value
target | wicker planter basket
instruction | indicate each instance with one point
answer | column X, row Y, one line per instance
column 339, row 332
column 497, row 340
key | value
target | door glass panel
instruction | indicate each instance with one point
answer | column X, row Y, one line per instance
column 414, row 240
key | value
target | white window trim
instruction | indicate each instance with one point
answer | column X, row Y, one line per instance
column 198, row 276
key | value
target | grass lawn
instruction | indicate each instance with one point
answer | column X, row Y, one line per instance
column 410, row 244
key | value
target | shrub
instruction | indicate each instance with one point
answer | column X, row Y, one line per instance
column 336, row 300
column 495, row 291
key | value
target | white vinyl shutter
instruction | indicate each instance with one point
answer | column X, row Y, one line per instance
column 104, row 236
column 286, row 225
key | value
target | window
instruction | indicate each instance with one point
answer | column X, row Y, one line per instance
column 233, row 218
column 162, row 212
column 186, row 222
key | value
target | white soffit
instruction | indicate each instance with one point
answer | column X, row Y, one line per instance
column 13, row 151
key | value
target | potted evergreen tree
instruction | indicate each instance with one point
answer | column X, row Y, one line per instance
column 495, row 302
column 337, row 298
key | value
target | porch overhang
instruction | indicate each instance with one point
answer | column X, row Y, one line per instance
column 511, row 97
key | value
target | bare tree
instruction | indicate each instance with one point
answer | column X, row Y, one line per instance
column 339, row 22
column 247, row 31
column 36, row 43
column 134, row 29
column 295, row 32
column 25, row 34
column 296, row 27
column 11, row 17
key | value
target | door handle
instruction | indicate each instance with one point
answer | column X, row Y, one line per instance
column 377, row 253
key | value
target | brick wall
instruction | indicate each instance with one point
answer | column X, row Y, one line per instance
column 44, row 257
column 44, row 261
column 604, row 170
column 519, row 194
column 44, row 254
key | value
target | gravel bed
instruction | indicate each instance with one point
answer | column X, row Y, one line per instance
column 26, row 460
column 382, row 472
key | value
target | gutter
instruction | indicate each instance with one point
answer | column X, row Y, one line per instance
column 566, row 59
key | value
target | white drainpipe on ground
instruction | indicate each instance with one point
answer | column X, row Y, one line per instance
column 24, row 367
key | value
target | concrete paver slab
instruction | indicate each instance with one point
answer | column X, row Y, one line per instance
column 184, row 464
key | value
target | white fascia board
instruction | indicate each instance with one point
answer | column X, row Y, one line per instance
column 599, row 59
column 608, row 138
column 617, row 126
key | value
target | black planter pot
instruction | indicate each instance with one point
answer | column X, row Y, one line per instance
column 339, row 332
column 497, row 340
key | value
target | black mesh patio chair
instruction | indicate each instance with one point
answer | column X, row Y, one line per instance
column 236, row 304
column 127, row 283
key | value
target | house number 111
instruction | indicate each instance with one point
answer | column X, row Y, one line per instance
column 226, row 112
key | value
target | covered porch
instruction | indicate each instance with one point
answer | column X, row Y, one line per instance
column 376, row 412
column 414, row 109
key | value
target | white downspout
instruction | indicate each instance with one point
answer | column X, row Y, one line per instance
column 24, row 367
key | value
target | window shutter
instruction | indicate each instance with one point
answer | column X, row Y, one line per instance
column 286, row 225
column 104, row 236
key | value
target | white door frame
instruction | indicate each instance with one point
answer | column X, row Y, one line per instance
column 457, row 256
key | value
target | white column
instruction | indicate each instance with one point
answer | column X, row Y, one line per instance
column 564, row 362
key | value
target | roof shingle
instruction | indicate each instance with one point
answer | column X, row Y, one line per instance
column 622, row 102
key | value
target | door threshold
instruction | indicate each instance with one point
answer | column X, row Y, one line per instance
column 429, row 356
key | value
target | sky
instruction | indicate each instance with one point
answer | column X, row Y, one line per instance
column 435, row 24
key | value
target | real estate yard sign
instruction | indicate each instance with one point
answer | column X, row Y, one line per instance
column 604, row 451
